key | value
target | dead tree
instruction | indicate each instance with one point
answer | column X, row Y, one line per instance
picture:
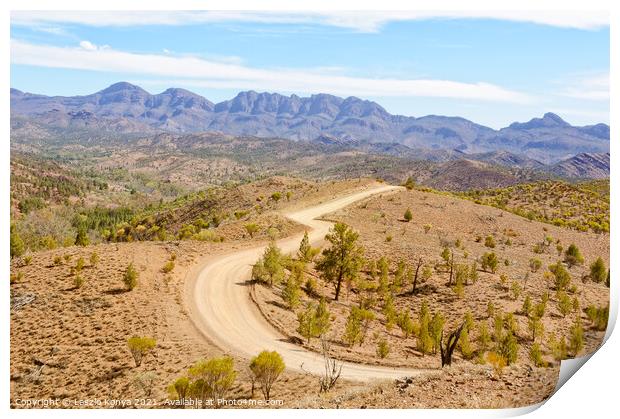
column 415, row 277
column 450, row 346
column 451, row 267
column 332, row 368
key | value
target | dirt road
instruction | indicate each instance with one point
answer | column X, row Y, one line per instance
column 221, row 308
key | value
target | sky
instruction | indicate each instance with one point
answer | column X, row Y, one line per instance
column 491, row 68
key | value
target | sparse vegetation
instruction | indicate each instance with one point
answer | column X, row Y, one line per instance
column 140, row 347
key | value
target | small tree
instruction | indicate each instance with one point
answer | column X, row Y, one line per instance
column 598, row 272
column 536, row 355
column 383, row 348
column 81, row 239
column 342, row 261
column 94, row 259
column 405, row 323
column 489, row 241
column 168, row 267
column 535, row 264
column 252, row 229
column 489, row 262
column 305, row 250
column 179, row 389
column 408, row 215
column 17, row 247
column 130, row 277
column 140, row 347
column 536, row 327
column 357, row 325
column 561, row 276
column 267, row 367
column 526, row 309
column 576, row 339
column 78, row 281
column 409, row 183
column 509, row 347
column 573, row 256
column 565, row 305
column 213, row 378
column 291, row 293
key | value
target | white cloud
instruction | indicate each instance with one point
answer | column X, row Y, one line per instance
column 88, row 46
column 590, row 87
column 363, row 21
column 203, row 72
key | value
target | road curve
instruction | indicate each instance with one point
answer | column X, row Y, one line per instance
column 221, row 308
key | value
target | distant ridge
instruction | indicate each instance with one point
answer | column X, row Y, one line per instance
column 124, row 107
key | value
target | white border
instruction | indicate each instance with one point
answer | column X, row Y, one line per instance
column 591, row 393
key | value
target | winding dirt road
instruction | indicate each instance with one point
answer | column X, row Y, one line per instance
column 221, row 308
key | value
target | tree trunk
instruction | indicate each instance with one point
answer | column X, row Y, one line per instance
column 451, row 268
column 448, row 349
column 415, row 278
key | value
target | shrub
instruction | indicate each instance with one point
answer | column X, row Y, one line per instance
column 408, row 215
column 515, row 289
column 427, row 228
column 436, row 330
column 509, row 348
column 489, row 241
column 561, row 276
column 17, row 246
column 180, row 388
column 598, row 272
column 573, row 256
column 276, row 196
column 291, row 292
column 130, row 277
column 57, row 261
column 405, row 323
column 145, row 381
column 598, row 316
column 484, row 339
column 489, row 262
column 140, row 347
column 536, row 327
column 535, row 264
column 565, row 305
column 267, row 367
column 536, row 355
column 79, row 265
column 559, row 348
column 269, row 268
column 94, row 259
column 252, row 228
column 383, row 348
column 78, row 281
column 314, row 320
column 576, row 340
column 357, row 325
column 212, row 379
column 465, row 345
column 168, row 267
column 82, row 238
column 497, row 361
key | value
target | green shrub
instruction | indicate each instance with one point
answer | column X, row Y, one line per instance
column 212, row 379
column 357, row 325
column 536, row 355
column 408, row 215
column 94, row 259
column 266, row 368
column 252, row 228
column 598, row 272
column 78, row 281
column 383, row 349
column 489, row 241
column 573, row 256
column 535, row 264
column 130, row 277
column 168, row 267
column 140, row 347
column 565, row 304
column 489, row 262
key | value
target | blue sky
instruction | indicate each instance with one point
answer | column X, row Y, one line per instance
column 485, row 68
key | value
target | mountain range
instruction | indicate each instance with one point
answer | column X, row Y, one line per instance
column 127, row 108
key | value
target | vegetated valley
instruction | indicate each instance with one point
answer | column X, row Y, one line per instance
column 481, row 271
